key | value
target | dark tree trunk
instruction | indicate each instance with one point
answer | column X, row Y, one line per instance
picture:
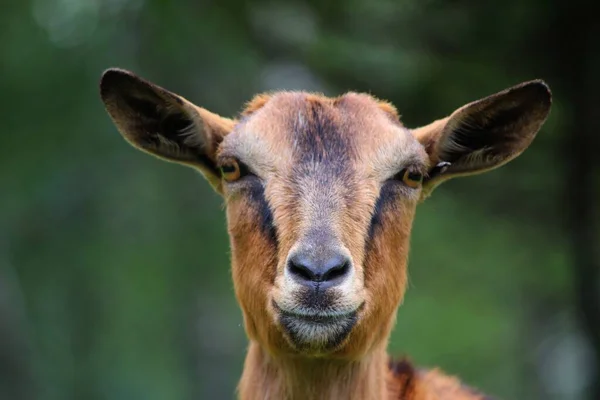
column 576, row 34
column 16, row 380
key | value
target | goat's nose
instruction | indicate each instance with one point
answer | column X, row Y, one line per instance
column 310, row 270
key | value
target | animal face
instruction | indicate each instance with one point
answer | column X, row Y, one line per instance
column 322, row 178
column 321, row 194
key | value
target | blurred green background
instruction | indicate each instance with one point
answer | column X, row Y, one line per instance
column 114, row 271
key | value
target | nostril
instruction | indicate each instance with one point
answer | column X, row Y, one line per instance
column 337, row 271
column 301, row 271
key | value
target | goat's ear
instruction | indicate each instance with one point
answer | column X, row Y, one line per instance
column 485, row 134
column 164, row 124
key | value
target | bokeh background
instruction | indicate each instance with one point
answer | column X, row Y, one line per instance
column 114, row 271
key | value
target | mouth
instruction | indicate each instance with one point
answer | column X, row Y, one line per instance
column 317, row 331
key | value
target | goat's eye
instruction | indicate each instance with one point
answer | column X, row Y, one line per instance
column 232, row 170
column 411, row 178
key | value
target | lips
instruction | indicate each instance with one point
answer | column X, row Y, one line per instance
column 318, row 330
column 317, row 317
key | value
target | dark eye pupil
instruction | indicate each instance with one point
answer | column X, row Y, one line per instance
column 227, row 169
column 415, row 176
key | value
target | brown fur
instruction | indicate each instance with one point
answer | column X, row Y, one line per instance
column 325, row 178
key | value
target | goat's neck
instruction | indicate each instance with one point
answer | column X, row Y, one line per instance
column 266, row 377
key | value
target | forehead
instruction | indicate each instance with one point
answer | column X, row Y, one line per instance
column 311, row 128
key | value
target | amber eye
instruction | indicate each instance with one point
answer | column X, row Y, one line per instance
column 231, row 171
column 412, row 178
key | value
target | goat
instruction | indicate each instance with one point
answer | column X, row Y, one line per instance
column 320, row 198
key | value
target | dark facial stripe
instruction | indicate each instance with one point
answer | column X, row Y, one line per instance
column 256, row 194
column 386, row 199
column 318, row 135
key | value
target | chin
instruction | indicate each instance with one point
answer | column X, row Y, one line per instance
column 316, row 333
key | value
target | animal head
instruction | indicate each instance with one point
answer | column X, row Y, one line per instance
column 320, row 195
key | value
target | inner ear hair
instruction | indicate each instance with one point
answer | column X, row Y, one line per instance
column 151, row 115
column 489, row 132
column 484, row 134
column 165, row 123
